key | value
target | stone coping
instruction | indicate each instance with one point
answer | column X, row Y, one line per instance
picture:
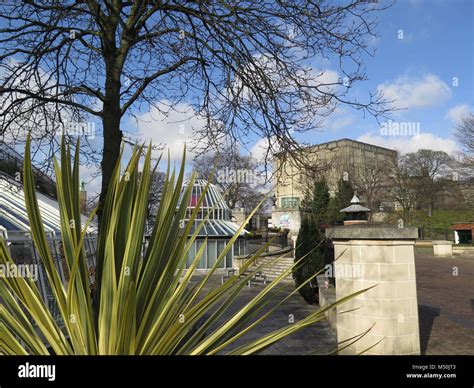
column 371, row 232
column 378, row 242
column 442, row 242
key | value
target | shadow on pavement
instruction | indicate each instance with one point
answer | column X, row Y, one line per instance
column 426, row 316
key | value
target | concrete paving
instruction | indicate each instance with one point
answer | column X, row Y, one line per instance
column 315, row 339
column 445, row 287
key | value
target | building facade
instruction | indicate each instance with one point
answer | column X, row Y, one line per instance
column 340, row 159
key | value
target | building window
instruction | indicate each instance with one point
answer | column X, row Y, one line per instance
column 290, row 202
column 220, row 248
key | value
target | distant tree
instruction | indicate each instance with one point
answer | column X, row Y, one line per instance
column 429, row 170
column 154, row 197
column 465, row 134
column 370, row 183
column 342, row 199
column 310, row 243
column 237, row 176
column 402, row 189
column 317, row 201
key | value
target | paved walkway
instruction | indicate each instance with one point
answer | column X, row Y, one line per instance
column 445, row 289
column 315, row 339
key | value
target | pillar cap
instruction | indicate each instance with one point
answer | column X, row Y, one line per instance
column 371, row 232
column 442, row 242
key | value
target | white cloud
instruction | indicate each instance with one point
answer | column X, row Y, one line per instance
column 170, row 128
column 412, row 144
column 327, row 76
column 260, row 149
column 341, row 122
column 457, row 112
column 328, row 81
column 338, row 119
column 410, row 92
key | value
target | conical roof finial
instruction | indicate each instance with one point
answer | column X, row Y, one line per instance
column 355, row 199
column 355, row 213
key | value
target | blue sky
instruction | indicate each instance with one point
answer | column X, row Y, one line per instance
column 420, row 71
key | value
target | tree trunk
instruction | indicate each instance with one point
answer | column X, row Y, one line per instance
column 112, row 138
column 111, row 152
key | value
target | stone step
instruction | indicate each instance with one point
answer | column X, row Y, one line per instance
column 270, row 265
column 281, row 270
column 273, row 268
column 275, row 264
column 275, row 274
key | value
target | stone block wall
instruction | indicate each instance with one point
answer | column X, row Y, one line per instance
column 389, row 308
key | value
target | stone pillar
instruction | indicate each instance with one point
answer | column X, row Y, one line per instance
column 83, row 201
column 383, row 257
column 239, row 216
column 442, row 248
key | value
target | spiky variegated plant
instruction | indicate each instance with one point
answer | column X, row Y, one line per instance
column 144, row 303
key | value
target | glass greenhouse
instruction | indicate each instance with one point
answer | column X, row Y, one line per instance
column 13, row 216
column 15, row 230
column 218, row 227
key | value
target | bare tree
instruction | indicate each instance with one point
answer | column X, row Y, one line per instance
column 154, row 197
column 370, row 181
column 402, row 189
column 238, row 176
column 465, row 134
column 430, row 170
column 241, row 65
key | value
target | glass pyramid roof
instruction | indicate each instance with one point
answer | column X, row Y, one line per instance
column 214, row 207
